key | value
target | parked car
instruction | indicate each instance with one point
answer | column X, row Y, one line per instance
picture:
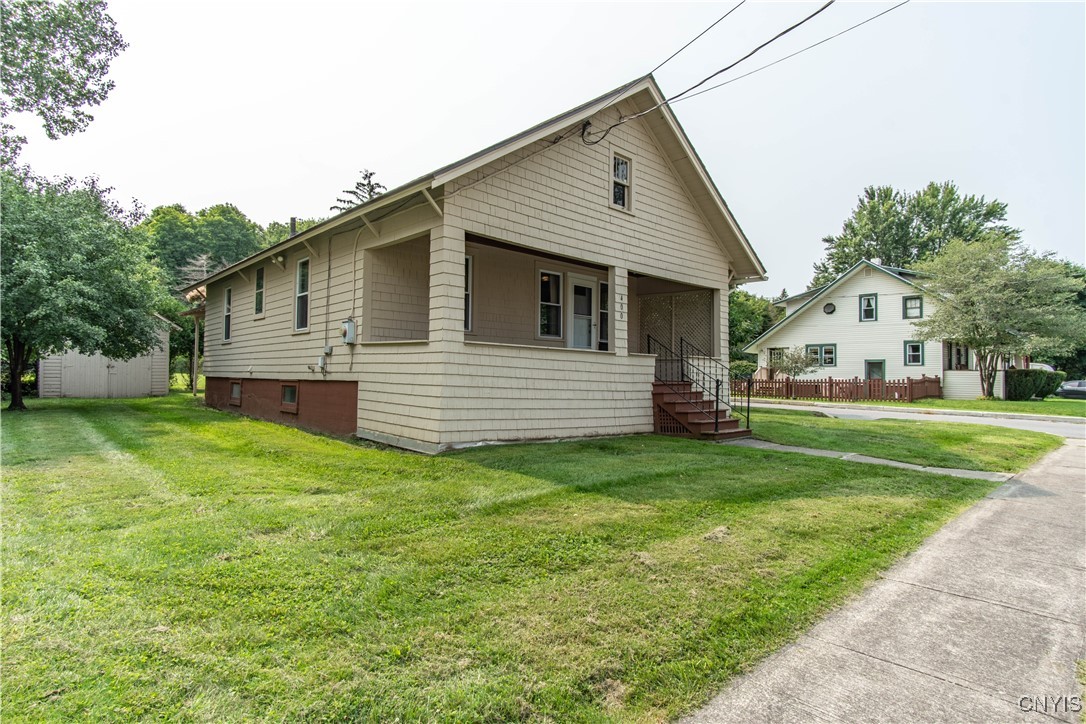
column 1072, row 388
column 1041, row 366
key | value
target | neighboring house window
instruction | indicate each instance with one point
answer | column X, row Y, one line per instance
column 604, row 318
column 288, row 397
column 621, row 180
column 258, row 294
column 912, row 307
column 914, row 354
column 869, row 307
column 550, row 304
column 467, row 291
column 227, row 304
column 235, row 392
column 823, row 355
column 301, row 295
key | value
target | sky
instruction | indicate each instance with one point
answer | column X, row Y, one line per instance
column 276, row 106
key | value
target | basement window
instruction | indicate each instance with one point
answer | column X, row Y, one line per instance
column 288, row 397
column 235, row 392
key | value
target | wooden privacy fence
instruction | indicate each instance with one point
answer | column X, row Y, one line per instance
column 832, row 390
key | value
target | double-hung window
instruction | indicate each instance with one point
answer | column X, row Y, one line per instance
column 912, row 307
column 621, row 182
column 227, row 313
column 468, row 271
column 550, row 304
column 301, row 295
column 605, row 321
column 914, row 354
column 823, row 355
column 258, row 292
column 869, row 307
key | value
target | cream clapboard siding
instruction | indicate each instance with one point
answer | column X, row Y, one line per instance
column 558, row 200
column 268, row 344
column 397, row 291
column 500, row 392
column 859, row 341
column 49, row 372
column 965, row 384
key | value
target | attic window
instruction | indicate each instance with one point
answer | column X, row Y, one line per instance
column 621, row 180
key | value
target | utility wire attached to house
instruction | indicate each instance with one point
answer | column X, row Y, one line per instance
column 585, row 136
column 703, row 32
column 793, row 55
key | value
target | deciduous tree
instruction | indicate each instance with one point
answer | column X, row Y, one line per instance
column 54, row 58
column 904, row 229
column 1002, row 300
column 749, row 315
column 72, row 273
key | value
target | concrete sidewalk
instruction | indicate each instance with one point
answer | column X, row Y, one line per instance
column 981, row 624
column 921, row 410
column 867, row 459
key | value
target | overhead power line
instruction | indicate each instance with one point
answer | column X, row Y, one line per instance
column 792, row 55
column 703, row 32
column 625, row 119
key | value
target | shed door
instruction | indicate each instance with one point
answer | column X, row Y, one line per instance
column 83, row 375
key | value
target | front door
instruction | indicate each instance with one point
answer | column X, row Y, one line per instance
column 583, row 313
column 875, row 369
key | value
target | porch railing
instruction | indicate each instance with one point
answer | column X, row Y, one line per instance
column 846, row 390
column 704, row 374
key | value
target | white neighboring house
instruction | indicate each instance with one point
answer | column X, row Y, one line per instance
column 73, row 374
column 861, row 325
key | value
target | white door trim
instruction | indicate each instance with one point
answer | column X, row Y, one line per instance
column 576, row 280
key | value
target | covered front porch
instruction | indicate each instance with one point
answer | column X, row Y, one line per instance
column 486, row 340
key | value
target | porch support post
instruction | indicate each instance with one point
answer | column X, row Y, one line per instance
column 446, row 283
column 618, row 281
column 720, row 324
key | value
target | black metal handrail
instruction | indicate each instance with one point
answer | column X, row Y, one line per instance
column 716, row 372
column 672, row 368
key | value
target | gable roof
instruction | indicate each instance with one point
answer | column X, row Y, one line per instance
column 819, row 292
column 644, row 93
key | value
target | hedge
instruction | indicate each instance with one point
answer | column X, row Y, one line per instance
column 1027, row 384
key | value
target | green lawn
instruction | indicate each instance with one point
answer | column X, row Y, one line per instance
column 1049, row 406
column 166, row 561
column 939, row 444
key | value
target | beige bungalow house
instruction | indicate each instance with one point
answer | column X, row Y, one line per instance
column 512, row 295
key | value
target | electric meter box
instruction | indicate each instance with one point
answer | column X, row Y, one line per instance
column 348, row 331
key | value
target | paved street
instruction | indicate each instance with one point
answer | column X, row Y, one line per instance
column 983, row 623
column 1073, row 428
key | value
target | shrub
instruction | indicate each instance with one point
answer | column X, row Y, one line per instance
column 1051, row 383
column 1025, row 383
column 741, row 369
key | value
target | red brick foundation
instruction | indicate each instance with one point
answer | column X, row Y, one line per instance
column 330, row 407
